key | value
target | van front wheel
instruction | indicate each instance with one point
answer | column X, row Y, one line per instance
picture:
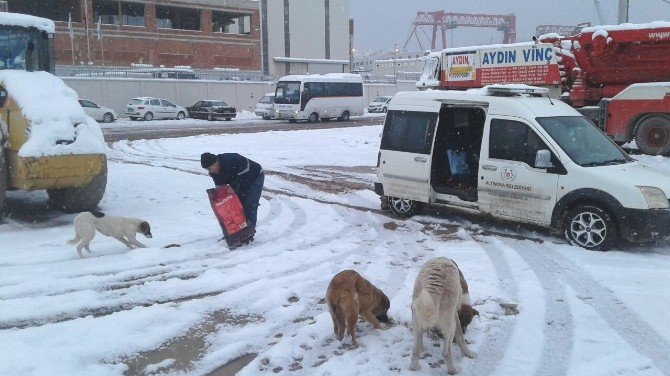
column 591, row 227
column 403, row 207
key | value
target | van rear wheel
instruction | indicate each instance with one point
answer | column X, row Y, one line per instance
column 403, row 207
column 345, row 116
column 313, row 117
column 78, row 199
column 590, row 227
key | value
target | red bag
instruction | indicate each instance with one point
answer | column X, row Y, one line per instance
column 230, row 213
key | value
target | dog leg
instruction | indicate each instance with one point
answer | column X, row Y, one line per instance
column 136, row 242
column 352, row 318
column 460, row 341
column 87, row 248
column 331, row 309
column 448, row 329
column 79, row 247
column 124, row 241
column 369, row 317
column 418, row 345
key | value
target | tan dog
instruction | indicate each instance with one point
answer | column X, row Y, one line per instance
column 465, row 312
column 348, row 296
column 435, row 303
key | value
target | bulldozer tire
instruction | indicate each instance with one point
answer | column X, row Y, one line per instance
column 74, row 200
column 3, row 180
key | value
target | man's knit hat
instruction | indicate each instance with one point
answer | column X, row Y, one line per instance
column 207, row 159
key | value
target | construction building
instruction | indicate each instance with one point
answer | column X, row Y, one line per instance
column 196, row 33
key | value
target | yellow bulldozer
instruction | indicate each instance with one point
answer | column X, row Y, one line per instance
column 46, row 140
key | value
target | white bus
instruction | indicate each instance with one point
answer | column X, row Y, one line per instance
column 319, row 96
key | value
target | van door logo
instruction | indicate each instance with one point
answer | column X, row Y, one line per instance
column 508, row 174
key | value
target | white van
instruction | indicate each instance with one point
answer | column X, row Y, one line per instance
column 265, row 106
column 511, row 152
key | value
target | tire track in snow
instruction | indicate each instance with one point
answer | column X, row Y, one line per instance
column 492, row 353
column 628, row 324
column 559, row 327
column 188, row 269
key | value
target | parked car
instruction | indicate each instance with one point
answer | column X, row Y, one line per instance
column 212, row 110
column 265, row 106
column 380, row 104
column 97, row 112
column 149, row 108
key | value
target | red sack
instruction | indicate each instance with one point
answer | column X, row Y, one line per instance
column 230, row 213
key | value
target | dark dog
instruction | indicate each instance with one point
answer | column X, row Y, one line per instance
column 348, row 296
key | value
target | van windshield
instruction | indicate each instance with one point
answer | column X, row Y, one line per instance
column 267, row 99
column 288, row 92
column 582, row 141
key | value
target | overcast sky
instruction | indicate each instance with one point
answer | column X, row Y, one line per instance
column 379, row 24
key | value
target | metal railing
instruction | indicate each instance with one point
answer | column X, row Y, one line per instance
column 187, row 73
column 140, row 71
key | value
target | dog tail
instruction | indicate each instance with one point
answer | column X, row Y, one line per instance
column 424, row 306
column 74, row 241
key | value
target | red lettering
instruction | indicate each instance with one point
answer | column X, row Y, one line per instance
column 460, row 60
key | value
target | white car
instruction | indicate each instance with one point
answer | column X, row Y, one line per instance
column 380, row 104
column 97, row 112
column 149, row 108
column 265, row 107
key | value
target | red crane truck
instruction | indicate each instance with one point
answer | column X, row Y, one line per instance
column 617, row 76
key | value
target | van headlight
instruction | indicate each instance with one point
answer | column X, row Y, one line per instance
column 655, row 197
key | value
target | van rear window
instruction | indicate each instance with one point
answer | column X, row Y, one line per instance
column 409, row 131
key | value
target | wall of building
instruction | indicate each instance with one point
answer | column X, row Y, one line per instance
column 122, row 45
column 307, row 37
column 116, row 93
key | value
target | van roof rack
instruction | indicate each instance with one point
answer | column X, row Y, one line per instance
column 512, row 90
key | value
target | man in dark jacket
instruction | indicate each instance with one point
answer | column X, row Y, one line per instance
column 245, row 176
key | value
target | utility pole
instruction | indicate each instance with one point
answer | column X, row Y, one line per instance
column 88, row 41
column 623, row 11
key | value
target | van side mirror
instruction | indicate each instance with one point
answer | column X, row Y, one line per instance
column 543, row 159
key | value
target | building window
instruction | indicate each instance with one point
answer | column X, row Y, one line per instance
column 132, row 14
column 58, row 10
column 231, row 23
column 106, row 11
column 177, row 18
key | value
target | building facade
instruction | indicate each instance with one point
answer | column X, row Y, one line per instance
column 195, row 33
column 300, row 36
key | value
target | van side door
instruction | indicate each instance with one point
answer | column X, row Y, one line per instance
column 405, row 154
column 510, row 186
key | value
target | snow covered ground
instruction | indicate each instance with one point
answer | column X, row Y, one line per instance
column 546, row 308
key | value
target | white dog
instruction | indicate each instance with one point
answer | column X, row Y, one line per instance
column 435, row 302
column 122, row 229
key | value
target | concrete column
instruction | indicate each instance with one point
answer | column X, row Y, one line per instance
column 150, row 16
column 206, row 21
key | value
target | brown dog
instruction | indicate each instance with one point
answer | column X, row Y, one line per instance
column 465, row 312
column 350, row 295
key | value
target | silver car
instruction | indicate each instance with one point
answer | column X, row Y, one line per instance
column 149, row 108
column 97, row 112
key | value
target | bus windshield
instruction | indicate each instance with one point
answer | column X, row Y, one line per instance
column 288, row 92
column 24, row 49
column 584, row 143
